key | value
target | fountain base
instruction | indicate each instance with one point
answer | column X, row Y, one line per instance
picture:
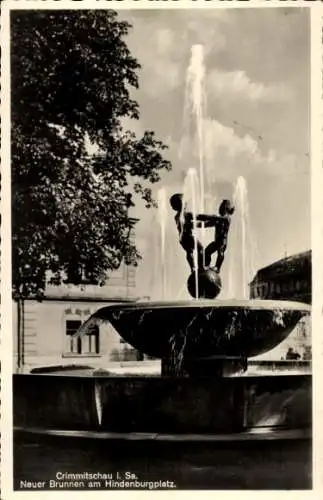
column 167, row 405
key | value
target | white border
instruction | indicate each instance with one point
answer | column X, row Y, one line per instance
column 6, row 307
column 317, row 236
column 317, row 240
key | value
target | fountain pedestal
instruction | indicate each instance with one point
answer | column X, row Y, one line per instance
column 200, row 401
column 204, row 346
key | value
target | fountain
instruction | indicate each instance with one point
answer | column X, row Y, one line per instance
column 212, row 340
column 204, row 346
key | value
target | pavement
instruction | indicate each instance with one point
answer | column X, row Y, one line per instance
column 249, row 461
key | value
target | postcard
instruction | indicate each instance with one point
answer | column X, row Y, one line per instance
column 160, row 248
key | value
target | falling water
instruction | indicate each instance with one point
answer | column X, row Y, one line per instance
column 191, row 174
column 242, row 261
column 98, row 401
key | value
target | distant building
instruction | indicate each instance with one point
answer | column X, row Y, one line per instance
column 44, row 336
column 288, row 279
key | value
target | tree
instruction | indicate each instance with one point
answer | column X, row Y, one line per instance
column 72, row 74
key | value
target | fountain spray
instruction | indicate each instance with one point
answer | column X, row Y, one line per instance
column 240, row 196
column 242, row 269
column 162, row 218
column 195, row 106
column 192, row 177
column 195, row 77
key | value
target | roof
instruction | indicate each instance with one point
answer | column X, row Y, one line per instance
column 294, row 264
column 82, row 298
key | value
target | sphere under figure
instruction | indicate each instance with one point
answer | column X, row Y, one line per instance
column 208, row 279
column 208, row 284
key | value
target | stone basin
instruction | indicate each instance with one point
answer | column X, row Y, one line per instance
column 202, row 328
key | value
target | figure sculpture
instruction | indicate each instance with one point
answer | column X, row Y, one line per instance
column 184, row 224
column 222, row 224
column 204, row 280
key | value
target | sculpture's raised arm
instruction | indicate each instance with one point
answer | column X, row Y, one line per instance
column 208, row 219
column 202, row 220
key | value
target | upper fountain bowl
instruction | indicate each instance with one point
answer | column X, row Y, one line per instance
column 204, row 328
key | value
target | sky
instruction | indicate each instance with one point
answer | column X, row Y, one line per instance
column 256, row 123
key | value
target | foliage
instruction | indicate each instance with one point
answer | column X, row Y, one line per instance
column 72, row 77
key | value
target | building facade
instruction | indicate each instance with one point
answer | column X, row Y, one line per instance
column 44, row 334
column 288, row 279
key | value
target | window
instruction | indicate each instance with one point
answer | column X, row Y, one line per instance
column 265, row 288
column 75, row 344
column 302, row 329
column 88, row 344
column 93, row 340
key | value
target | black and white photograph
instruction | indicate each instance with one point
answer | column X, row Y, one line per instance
column 161, row 251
